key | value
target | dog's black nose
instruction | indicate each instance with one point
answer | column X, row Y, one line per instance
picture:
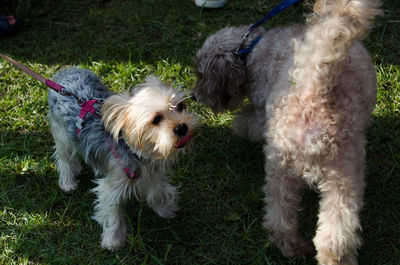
column 181, row 129
column 193, row 97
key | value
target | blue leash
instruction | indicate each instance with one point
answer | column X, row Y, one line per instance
column 274, row 11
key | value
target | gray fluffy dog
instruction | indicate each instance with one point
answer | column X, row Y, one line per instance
column 129, row 147
column 311, row 90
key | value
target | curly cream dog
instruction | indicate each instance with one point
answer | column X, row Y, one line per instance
column 311, row 91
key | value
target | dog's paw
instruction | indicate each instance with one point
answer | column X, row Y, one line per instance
column 113, row 240
column 295, row 246
column 68, row 185
column 328, row 258
column 167, row 212
column 68, row 172
column 111, row 244
column 336, row 252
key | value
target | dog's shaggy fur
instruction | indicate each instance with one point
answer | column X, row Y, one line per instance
column 311, row 91
column 142, row 131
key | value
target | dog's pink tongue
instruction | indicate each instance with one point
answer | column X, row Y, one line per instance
column 184, row 140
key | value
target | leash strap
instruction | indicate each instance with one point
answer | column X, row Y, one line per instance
column 28, row 71
column 51, row 84
column 274, row 11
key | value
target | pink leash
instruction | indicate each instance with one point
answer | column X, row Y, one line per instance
column 53, row 85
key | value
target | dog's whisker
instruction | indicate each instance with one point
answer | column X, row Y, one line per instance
column 174, row 106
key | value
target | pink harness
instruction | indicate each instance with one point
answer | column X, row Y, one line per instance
column 91, row 106
column 86, row 107
column 129, row 173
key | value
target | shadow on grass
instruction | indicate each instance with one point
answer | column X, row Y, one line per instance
column 221, row 200
column 380, row 217
column 73, row 32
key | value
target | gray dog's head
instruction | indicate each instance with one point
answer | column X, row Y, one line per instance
column 221, row 74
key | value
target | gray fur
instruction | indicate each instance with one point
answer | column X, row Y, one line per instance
column 222, row 75
column 94, row 141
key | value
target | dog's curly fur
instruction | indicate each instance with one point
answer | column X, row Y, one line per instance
column 311, row 89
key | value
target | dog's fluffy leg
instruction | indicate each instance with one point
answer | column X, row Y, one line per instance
column 283, row 202
column 342, row 193
column 160, row 195
column 250, row 123
column 112, row 191
column 333, row 29
column 67, row 162
column 163, row 199
column 67, row 171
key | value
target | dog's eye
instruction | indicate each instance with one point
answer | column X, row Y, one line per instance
column 157, row 119
column 179, row 107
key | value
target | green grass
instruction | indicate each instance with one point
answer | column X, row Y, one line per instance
column 220, row 219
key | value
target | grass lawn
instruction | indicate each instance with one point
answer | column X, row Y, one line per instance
column 221, row 200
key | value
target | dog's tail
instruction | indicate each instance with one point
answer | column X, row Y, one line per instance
column 331, row 31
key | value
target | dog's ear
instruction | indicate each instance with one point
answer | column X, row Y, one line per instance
column 220, row 77
column 114, row 114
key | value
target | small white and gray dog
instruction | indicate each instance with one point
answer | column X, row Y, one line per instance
column 129, row 144
column 311, row 90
